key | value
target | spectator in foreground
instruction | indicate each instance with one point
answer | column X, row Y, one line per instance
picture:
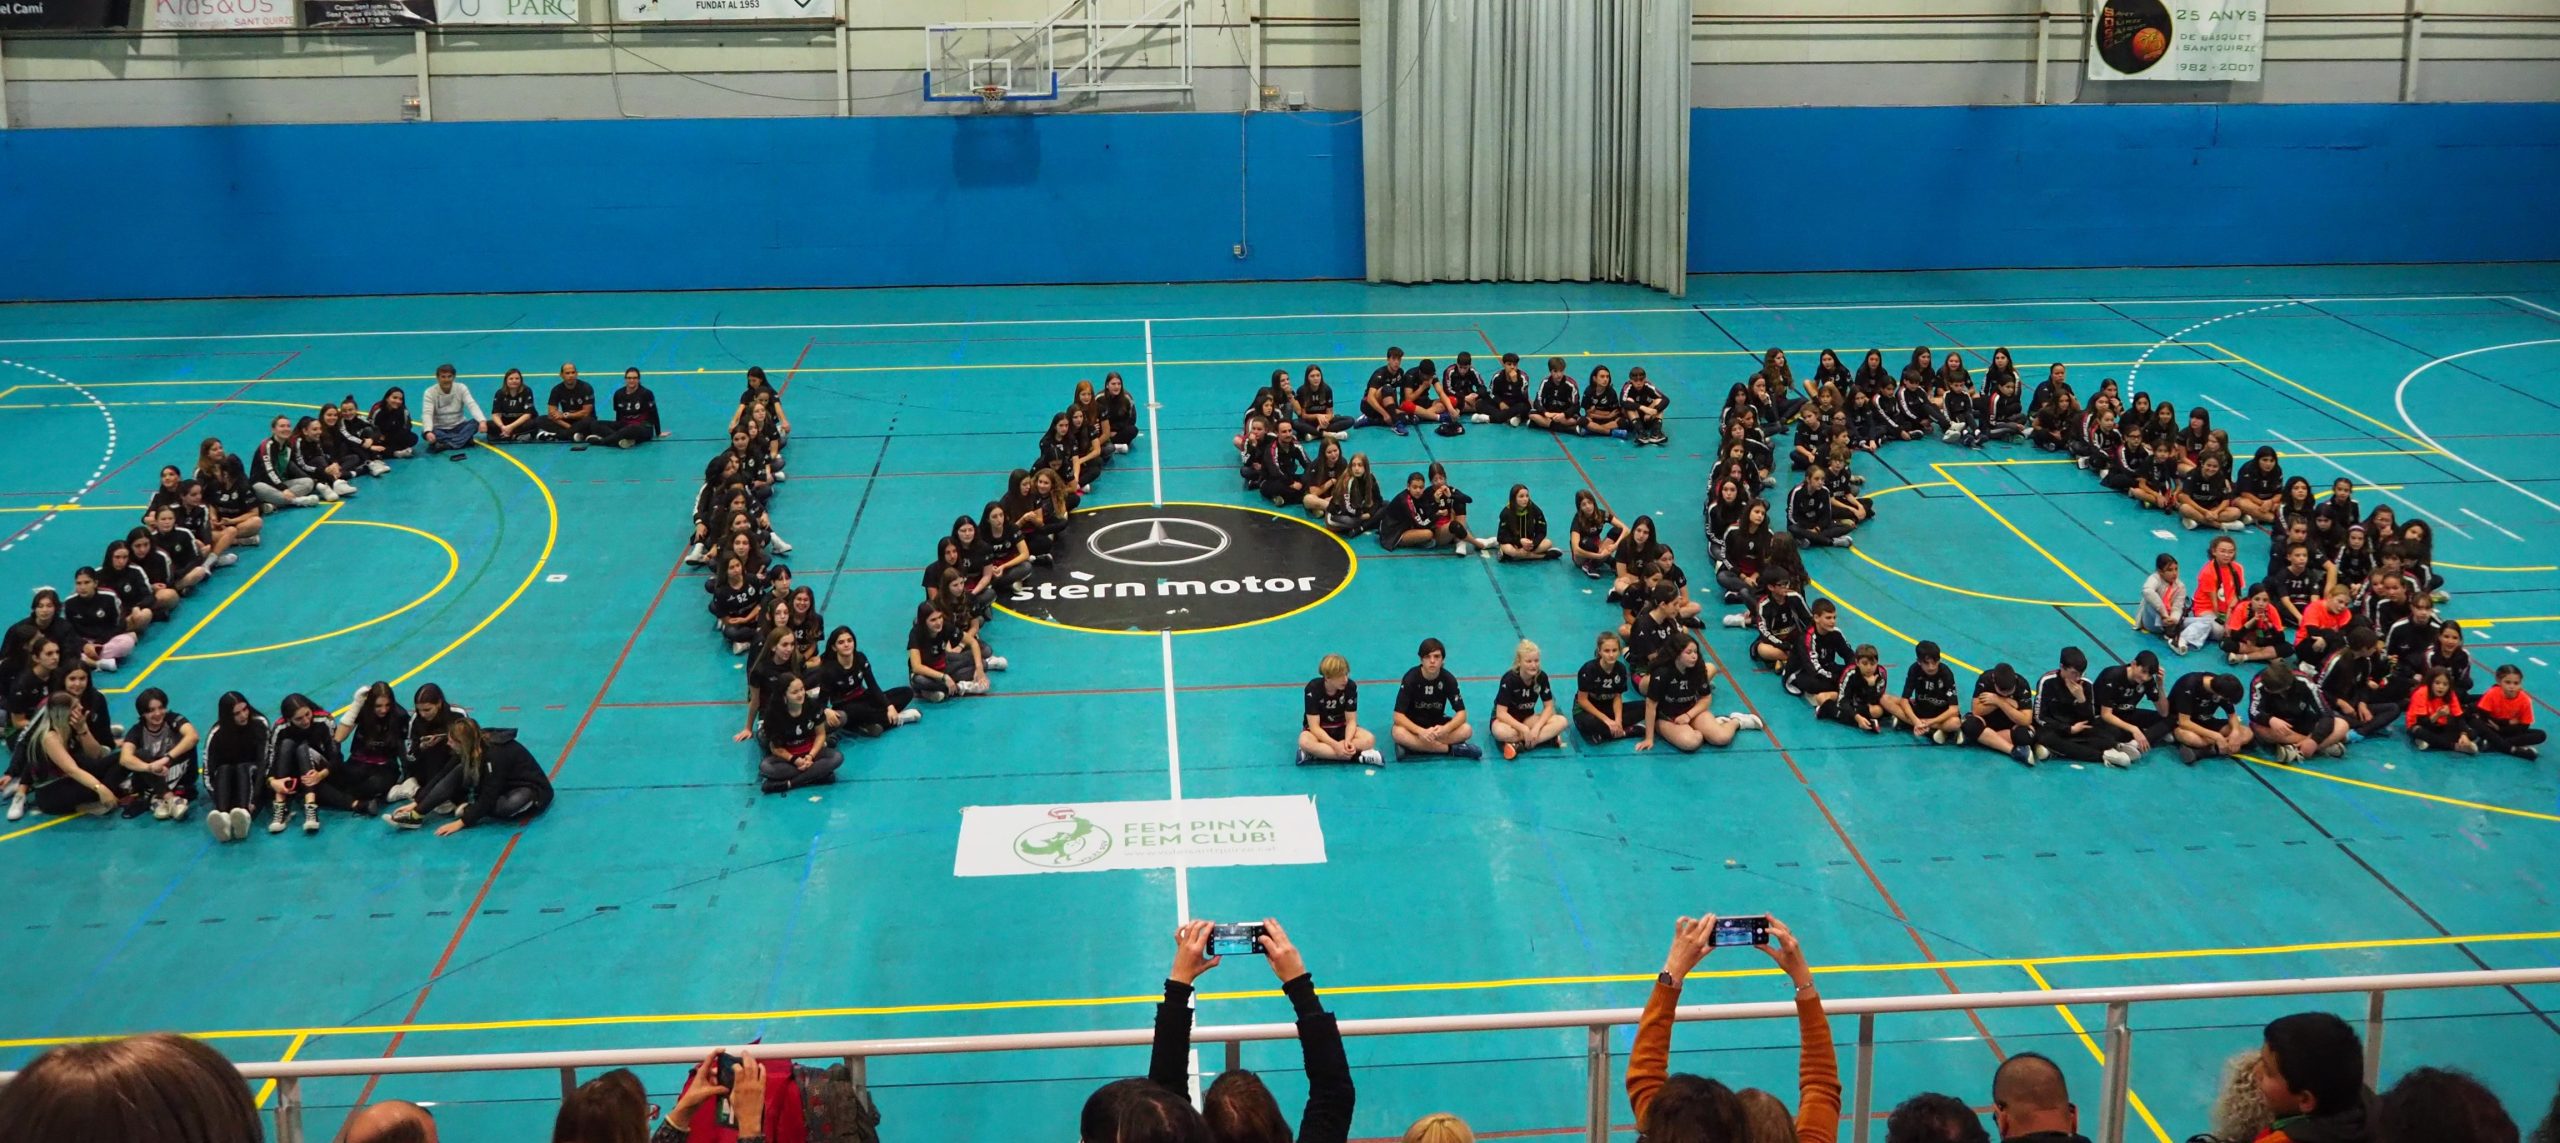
column 1237, row 1107
column 2432, row 1105
column 2311, row 1072
column 1695, row 1107
column 1439, row 1127
column 142, row 1088
column 2030, row 1103
column 390, row 1121
column 1934, row 1118
column 1131, row 1111
column 2239, row 1109
column 612, row 1107
column 2549, row 1132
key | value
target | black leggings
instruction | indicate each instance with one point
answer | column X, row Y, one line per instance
column 2385, row 716
column 357, row 785
column 236, row 788
column 514, row 805
column 2503, row 738
column 1828, row 536
column 2154, row 725
column 2089, row 745
column 2440, row 737
column 873, row 709
column 1595, row 731
column 637, row 432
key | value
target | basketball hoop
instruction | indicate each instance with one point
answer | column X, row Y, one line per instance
column 991, row 94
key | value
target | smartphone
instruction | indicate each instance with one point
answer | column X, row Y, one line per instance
column 1236, row 940
column 725, row 1073
column 1730, row 931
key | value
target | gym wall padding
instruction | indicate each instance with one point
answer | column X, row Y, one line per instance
column 590, row 205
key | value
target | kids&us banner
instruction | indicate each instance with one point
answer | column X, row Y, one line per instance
column 2177, row 39
column 221, row 15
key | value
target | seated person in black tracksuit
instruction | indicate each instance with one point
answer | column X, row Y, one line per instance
column 2203, row 710
column 1812, row 516
column 1929, row 693
column 2128, row 698
column 1282, row 466
column 1430, row 713
column 2285, row 710
column 2067, row 715
column 1508, row 398
column 1818, row 659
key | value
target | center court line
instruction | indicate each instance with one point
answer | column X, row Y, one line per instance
column 2493, row 524
column 2386, row 490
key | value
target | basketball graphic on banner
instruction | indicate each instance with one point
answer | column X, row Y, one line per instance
column 2132, row 35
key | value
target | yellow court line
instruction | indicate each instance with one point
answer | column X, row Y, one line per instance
column 2340, row 405
column 1271, row 993
column 227, row 601
column 39, row 826
column 2131, row 1096
column 2378, row 787
column 550, row 538
column 1889, row 569
column 2496, row 620
column 2477, row 568
column 77, row 507
column 452, row 567
column 1985, row 505
column 1888, row 628
column 291, row 1050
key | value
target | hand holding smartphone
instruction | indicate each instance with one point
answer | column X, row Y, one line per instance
column 1743, row 930
column 1236, row 940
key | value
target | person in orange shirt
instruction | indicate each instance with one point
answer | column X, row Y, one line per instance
column 2324, row 625
column 2217, row 596
column 2505, row 717
column 2437, row 720
column 1817, row 1067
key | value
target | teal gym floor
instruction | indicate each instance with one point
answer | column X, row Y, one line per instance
column 663, row 901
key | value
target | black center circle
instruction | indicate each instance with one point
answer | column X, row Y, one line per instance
column 1127, row 569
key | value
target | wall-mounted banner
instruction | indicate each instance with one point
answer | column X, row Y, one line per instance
column 16, row 15
column 2178, row 39
column 1087, row 837
column 506, row 11
column 679, row 10
column 368, row 13
column 220, row 15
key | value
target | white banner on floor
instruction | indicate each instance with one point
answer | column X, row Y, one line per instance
column 2178, row 39
column 1087, row 837
column 637, row 10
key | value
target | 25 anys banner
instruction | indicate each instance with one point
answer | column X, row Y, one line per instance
column 2193, row 40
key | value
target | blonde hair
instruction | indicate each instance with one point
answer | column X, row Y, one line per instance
column 1439, row 1127
column 1521, row 653
column 1764, row 1118
column 1334, row 667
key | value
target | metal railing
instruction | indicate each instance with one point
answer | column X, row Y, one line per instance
column 2115, row 1039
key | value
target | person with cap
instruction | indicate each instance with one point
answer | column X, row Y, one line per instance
column 2203, row 710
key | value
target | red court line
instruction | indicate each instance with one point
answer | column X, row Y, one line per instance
column 499, row 866
column 784, row 390
column 477, row 900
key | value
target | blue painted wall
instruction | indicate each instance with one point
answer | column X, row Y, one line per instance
column 1955, row 187
column 470, row 207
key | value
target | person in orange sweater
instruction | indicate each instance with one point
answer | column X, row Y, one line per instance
column 2324, row 625
column 2436, row 718
column 2217, row 596
column 1681, row 1106
column 2505, row 717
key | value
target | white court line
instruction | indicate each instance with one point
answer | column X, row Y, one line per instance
column 2493, row 524
column 2221, row 406
column 1379, row 315
column 2400, row 401
column 2360, row 478
column 2535, row 305
column 95, row 475
column 1172, row 722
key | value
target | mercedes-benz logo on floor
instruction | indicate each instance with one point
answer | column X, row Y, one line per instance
column 1127, row 569
column 1157, row 541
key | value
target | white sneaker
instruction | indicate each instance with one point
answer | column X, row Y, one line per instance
column 970, row 687
column 107, row 665
column 1738, row 619
column 220, row 824
column 306, row 501
column 1336, row 435
column 1371, row 758
column 310, row 818
column 178, row 808
column 697, row 555
column 781, row 545
column 407, row 790
column 2235, row 525
column 344, row 489
column 275, row 824
column 909, row 715
column 324, row 493
column 1746, row 720
column 17, row 805
column 1119, row 448
column 2118, row 758
column 377, row 467
column 2288, row 755
column 160, row 808
column 405, row 453
column 2042, row 754
column 1479, row 418
column 2338, row 750
column 2187, row 522
column 239, row 822
column 228, row 559
column 996, row 663
column 1484, row 549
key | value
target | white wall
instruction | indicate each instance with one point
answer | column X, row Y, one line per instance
column 1748, row 53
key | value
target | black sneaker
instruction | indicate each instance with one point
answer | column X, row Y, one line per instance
column 776, row 786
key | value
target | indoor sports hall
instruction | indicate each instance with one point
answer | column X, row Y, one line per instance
column 2308, row 244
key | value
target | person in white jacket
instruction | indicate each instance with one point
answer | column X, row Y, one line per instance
column 2164, row 600
column 452, row 417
